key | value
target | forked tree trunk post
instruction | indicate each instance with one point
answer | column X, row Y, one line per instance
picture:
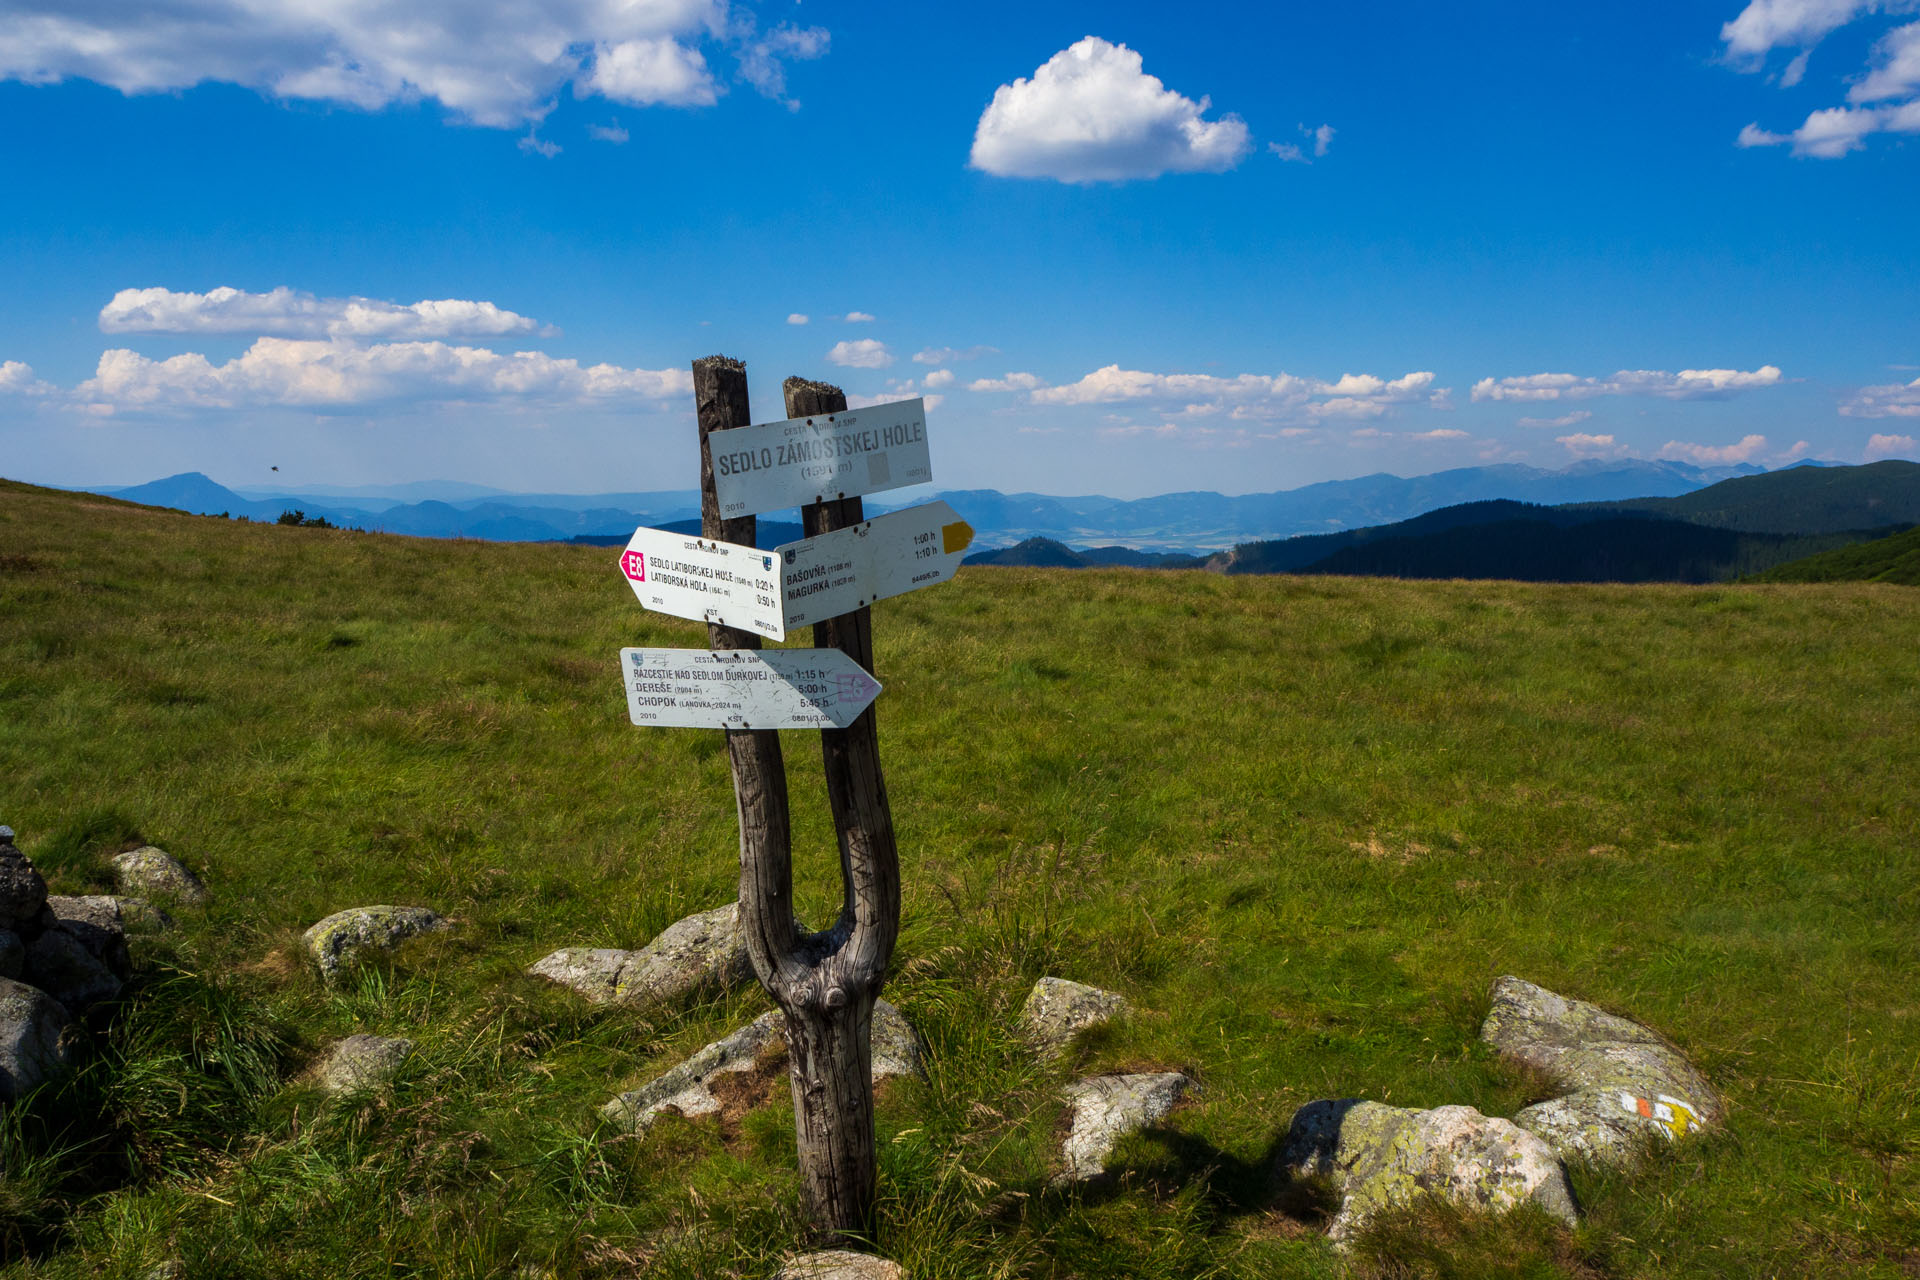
column 825, row 983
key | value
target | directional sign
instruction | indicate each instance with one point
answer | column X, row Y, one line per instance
column 834, row 573
column 776, row 465
column 705, row 580
column 745, row 688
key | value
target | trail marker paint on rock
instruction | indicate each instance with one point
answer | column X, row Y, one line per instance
column 745, row 688
column 834, row 573
column 774, row 465
column 708, row 581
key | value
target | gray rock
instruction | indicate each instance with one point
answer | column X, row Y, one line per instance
column 1380, row 1157
column 13, row 954
column 897, row 1048
column 1057, row 1010
column 37, row 1040
column 1107, row 1109
column 98, row 924
column 346, row 937
column 80, row 958
column 22, row 892
column 840, row 1264
column 362, row 1062
column 687, row 1088
column 707, row 950
column 155, row 873
column 1625, row 1082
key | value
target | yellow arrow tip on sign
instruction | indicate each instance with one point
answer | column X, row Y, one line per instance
column 955, row 537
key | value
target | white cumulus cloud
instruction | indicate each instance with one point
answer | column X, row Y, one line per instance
column 1573, row 419
column 341, row 374
column 16, row 378
column 796, row 318
column 1091, row 113
column 1011, row 382
column 1707, row 455
column 1879, row 447
column 939, row 378
column 1684, row 385
column 489, row 63
column 863, row 353
column 1886, row 99
column 1582, row 445
column 285, row 312
column 1247, row 396
column 1898, row 400
column 1766, row 25
column 947, row 355
column 858, row 317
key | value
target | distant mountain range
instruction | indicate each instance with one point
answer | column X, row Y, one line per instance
column 1201, row 522
column 1741, row 526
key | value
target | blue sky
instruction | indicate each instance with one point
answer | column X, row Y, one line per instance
column 1124, row 248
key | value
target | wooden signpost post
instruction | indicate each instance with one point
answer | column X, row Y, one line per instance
column 823, row 458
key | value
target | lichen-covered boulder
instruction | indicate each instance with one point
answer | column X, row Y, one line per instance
column 346, row 937
column 1625, row 1083
column 897, row 1048
column 37, row 1039
column 1381, row 1157
column 362, row 1062
column 1106, row 1109
column 687, row 1089
column 1057, row 1010
column 155, row 873
column 23, row 893
column 704, row 951
column 840, row 1264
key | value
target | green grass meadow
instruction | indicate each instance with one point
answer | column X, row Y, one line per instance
column 1301, row 823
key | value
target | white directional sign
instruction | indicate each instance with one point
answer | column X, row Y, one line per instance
column 834, row 573
column 776, row 465
column 745, row 688
column 704, row 580
column 811, row 580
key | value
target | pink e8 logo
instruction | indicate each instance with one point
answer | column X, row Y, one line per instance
column 634, row 565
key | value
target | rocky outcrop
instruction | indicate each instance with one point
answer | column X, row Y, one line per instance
column 840, row 1264
column 155, row 873
column 1106, row 1109
column 1380, row 1157
column 1625, row 1083
column 344, row 938
column 37, row 1040
column 704, row 951
column 688, row 1088
column 1057, row 1010
column 362, row 1062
